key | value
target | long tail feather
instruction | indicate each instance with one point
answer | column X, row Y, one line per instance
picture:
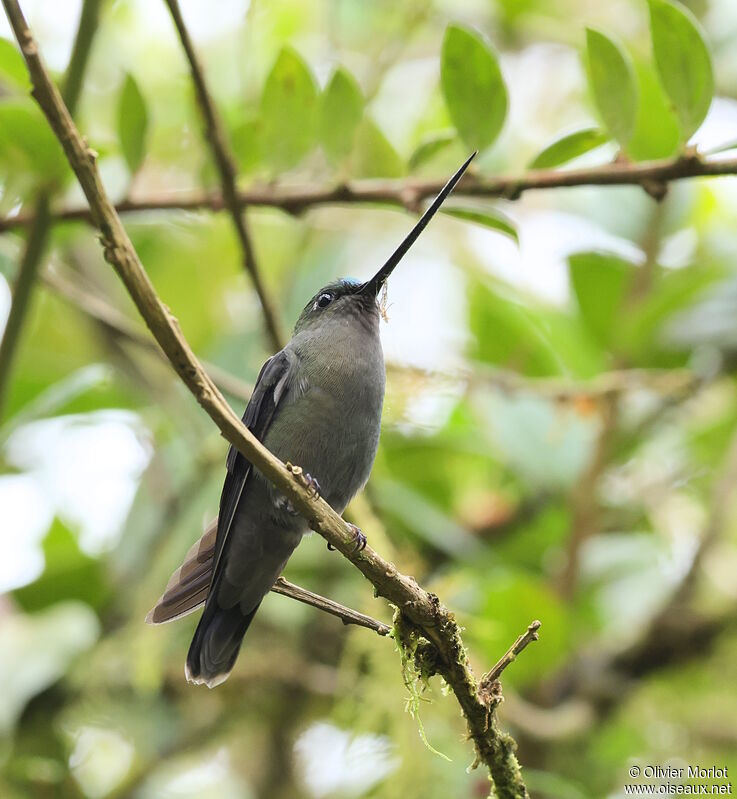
column 188, row 587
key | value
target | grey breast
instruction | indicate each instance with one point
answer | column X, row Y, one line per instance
column 330, row 423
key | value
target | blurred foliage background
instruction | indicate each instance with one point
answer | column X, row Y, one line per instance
column 560, row 429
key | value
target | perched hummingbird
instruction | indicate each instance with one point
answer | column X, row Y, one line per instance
column 317, row 403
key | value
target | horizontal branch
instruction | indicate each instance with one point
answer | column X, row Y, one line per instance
column 653, row 176
column 495, row 749
column 217, row 139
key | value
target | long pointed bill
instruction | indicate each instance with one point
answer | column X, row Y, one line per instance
column 377, row 281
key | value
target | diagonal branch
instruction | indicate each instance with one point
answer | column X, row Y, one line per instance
column 528, row 636
column 494, row 748
column 41, row 226
column 345, row 614
column 410, row 192
column 215, row 135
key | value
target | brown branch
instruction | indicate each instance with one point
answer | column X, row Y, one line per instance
column 524, row 640
column 409, row 192
column 215, row 135
column 345, row 614
column 676, row 382
column 495, row 749
column 584, row 502
column 41, row 226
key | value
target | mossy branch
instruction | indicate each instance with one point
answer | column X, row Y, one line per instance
column 495, row 749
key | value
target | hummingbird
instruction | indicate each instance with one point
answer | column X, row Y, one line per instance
column 317, row 403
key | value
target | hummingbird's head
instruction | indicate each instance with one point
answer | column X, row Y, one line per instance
column 340, row 300
column 350, row 299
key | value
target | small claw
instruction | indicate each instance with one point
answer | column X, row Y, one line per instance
column 359, row 538
column 307, row 480
column 311, row 483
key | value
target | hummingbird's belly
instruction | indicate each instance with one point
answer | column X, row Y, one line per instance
column 332, row 440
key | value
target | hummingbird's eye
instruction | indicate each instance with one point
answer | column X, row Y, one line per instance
column 324, row 300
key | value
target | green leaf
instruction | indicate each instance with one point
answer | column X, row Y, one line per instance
column 69, row 574
column 657, row 132
column 674, row 291
column 612, row 81
column 568, row 147
column 683, row 62
column 288, row 110
column 493, row 219
column 429, row 147
column 245, row 139
column 375, row 156
column 12, row 67
column 600, row 282
column 341, row 111
column 509, row 334
column 27, row 144
column 132, row 124
column 473, row 87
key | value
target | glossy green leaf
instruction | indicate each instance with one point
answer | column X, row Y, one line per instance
column 13, row 71
column 600, row 282
column 341, row 110
column 132, row 123
column 683, row 61
column 27, row 144
column 657, row 133
column 289, row 110
column 375, row 156
column 473, row 87
column 429, row 147
column 612, row 81
column 490, row 218
column 568, row 147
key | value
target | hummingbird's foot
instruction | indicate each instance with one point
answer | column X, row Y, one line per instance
column 311, row 483
column 359, row 539
column 307, row 480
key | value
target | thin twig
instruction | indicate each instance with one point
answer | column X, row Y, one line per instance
column 676, row 382
column 345, row 614
column 23, row 291
column 102, row 312
column 601, row 679
column 495, row 749
column 583, row 499
column 527, row 637
column 407, row 193
column 40, row 228
column 215, row 135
